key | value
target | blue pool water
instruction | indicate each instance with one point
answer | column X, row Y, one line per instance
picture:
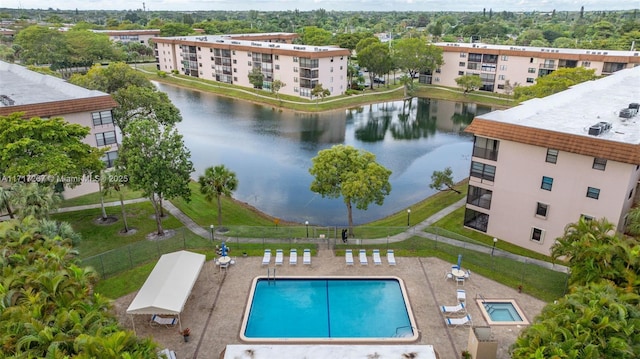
column 502, row 312
column 328, row 308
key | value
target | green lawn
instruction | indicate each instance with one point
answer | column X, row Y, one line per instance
column 98, row 238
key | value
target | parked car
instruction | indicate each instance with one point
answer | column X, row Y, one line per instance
column 378, row 80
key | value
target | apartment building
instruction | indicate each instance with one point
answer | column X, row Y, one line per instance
column 544, row 164
column 141, row 36
column 44, row 96
column 230, row 59
column 497, row 64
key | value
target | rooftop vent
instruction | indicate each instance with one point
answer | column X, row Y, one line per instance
column 628, row 112
column 6, row 100
column 599, row 128
column 635, row 105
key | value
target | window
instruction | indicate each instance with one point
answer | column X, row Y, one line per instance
column 531, row 60
column 235, row 61
column 249, row 63
column 295, row 69
column 530, row 80
column 476, row 220
column 483, row 171
column 552, row 155
column 463, row 54
column 102, row 118
column 542, row 209
column 235, row 70
column 537, row 234
column 531, row 70
column 463, row 64
column 233, row 52
column 460, row 73
column 486, row 148
column 503, row 67
column 586, row 217
column 500, row 87
column 479, row 197
column 109, row 158
column 106, row 138
column 277, row 67
column 586, row 63
column 504, row 58
column 295, row 59
column 276, row 57
column 593, row 192
column 547, row 183
column 501, row 77
column 599, row 164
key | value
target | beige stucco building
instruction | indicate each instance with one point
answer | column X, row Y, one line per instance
column 141, row 36
column 230, row 59
column 38, row 95
column 497, row 64
column 545, row 163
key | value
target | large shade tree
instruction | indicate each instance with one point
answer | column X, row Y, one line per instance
column 415, row 56
column 559, row 80
column 45, row 150
column 216, row 182
column 344, row 171
column 157, row 163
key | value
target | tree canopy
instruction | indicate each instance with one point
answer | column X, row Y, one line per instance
column 344, row 171
column 109, row 79
column 443, row 178
column 469, row 83
column 415, row 56
column 557, row 81
column 157, row 163
column 45, row 151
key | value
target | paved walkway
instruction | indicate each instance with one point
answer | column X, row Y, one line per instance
column 416, row 230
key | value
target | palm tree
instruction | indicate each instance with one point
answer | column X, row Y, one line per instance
column 6, row 197
column 36, row 200
column 215, row 182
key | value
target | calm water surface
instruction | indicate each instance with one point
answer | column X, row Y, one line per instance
column 270, row 150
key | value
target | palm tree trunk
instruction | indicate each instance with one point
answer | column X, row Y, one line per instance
column 9, row 211
column 219, row 210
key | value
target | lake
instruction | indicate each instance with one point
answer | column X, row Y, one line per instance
column 271, row 150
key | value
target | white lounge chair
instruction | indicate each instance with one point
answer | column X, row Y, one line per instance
column 166, row 321
column 453, row 309
column 376, row 257
column 458, row 322
column 363, row 257
column 348, row 257
column 391, row 257
column 293, row 257
column 167, row 354
column 266, row 258
column 306, row 256
column 279, row 257
column 462, row 295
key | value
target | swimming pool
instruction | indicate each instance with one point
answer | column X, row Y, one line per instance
column 501, row 312
column 348, row 309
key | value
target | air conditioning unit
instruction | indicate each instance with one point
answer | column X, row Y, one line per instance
column 599, row 128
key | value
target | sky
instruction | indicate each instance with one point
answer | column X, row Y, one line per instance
column 338, row 5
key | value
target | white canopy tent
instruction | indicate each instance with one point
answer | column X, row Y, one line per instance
column 168, row 286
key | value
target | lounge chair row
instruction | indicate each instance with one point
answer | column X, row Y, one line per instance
column 293, row 257
column 362, row 257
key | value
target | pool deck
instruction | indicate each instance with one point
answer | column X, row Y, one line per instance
column 215, row 309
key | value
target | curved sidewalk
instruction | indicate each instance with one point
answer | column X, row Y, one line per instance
column 416, row 230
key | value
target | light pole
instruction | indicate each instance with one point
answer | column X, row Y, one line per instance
column 306, row 223
column 211, row 229
column 495, row 240
column 408, row 217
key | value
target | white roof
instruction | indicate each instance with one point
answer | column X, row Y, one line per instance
column 168, row 286
column 573, row 111
column 471, row 46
